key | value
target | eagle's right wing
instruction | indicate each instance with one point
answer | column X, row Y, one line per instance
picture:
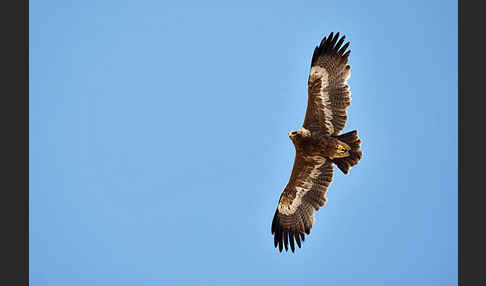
column 304, row 194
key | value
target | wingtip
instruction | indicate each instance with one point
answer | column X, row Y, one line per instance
column 331, row 44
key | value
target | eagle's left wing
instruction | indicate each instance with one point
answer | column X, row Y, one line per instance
column 328, row 93
column 304, row 194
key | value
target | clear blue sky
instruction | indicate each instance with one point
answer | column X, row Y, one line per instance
column 159, row 147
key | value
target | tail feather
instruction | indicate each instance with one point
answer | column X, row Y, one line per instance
column 352, row 139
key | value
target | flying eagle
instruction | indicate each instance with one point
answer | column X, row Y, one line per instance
column 318, row 144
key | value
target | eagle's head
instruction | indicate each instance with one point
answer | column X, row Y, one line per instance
column 296, row 135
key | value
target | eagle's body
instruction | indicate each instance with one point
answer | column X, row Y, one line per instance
column 315, row 144
column 318, row 144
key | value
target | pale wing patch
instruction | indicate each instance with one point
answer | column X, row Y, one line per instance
column 323, row 101
column 304, row 187
column 304, row 132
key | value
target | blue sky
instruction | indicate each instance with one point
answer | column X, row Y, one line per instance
column 159, row 147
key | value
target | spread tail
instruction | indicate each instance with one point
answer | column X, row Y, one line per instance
column 352, row 139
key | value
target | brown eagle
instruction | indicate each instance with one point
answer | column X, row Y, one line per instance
column 318, row 144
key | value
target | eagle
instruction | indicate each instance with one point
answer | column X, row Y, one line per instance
column 319, row 144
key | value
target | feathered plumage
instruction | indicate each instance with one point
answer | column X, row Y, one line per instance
column 318, row 144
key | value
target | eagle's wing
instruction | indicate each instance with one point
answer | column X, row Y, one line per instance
column 303, row 195
column 328, row 93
